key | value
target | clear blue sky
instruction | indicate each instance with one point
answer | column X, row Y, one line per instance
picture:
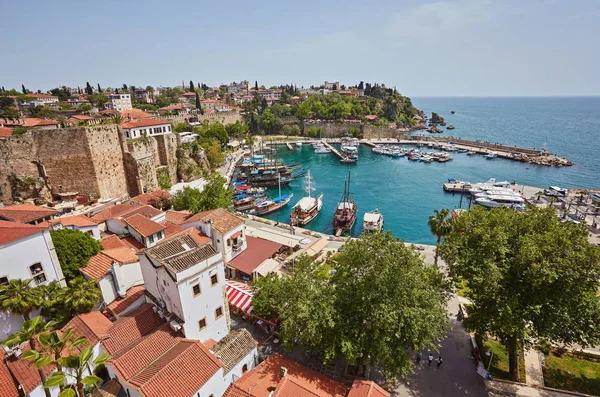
column 425, row 48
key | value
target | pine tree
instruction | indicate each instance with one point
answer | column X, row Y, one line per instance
column 191, row 86
column 88, row 88
column 197, row 101
column 255, row 85
column 23, row 89
column 99, row 89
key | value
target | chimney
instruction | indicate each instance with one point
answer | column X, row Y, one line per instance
column 283, row 372
column 209, row 228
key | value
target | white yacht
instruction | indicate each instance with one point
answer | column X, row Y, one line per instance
column 308, row 207
column 320, row 149
column 373, row 221
column 298, row 143
column 500, row 200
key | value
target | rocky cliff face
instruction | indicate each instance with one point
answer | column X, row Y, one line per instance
column 191, row 163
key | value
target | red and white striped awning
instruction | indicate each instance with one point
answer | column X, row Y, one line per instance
column 239, row 295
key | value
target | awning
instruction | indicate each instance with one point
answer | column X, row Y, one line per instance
column 236, row 234
column 267, row 267
column 239, row 296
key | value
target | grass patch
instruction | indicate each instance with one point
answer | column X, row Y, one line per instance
column 574, row 372
column 500, row 366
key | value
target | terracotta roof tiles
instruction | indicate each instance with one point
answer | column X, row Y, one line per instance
column 151, row 197
column 233, row 348
column 13, row 231
column 222, row 220
column 178, row 217
column 131, row 327
column 144, row 123
column 97, row 266
column 74, row 220
column 367, row 388
column 25, row 213
column 143, row 225
column 133, row 294
column 8, row 388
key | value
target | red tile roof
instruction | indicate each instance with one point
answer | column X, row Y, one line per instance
column 5, row 131
column 144, row 123
column 257, row 252
column 132, row 295
column 112, row 242
column 25, row 371
column 13, row 231
column 97, row 266
column 181, row 371
column 136, row 114
column 131, row 327
column 8, row 388
column 171, row 228
column 123, row 255
column 189, row 94
column 124, row 211
column 35, row 122
column 41, row 96
column 132, row 243
column 25, row 213
column 144, row 226
column 75, row 220
column 178, row 217
column 222, row 220
column 151, row 197
column 300, row 381
column 94, row 326
column 367, row 388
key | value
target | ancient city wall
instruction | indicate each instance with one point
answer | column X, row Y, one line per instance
column 16, row 157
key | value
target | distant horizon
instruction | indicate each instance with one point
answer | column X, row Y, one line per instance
column 426, row 48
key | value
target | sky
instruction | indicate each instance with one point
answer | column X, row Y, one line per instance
column 424, row 48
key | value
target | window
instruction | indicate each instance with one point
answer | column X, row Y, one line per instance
column 127, row 133
column 3, row 280
column 218, row 312
column 245, row 368
column 37, row 273
column 151, row 238
column 196, row 290
column 214, row 280
column 201, row 324
column 229, row 242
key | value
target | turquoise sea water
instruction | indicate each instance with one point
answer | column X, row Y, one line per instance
column 407, row 192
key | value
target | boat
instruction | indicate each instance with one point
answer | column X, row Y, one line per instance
column 454, row 185
column 426, row 159
column 266, row 207
column 345, row 212
column 471, row 153
column 308, row 207
column 452, row 112
column 500, row 200
column 298, row 143
column 321, row 149
column 491, row 155
column 347, row 160
column 373, row 221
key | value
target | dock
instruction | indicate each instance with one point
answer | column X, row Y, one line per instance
column 289, row 146
column 333, row 150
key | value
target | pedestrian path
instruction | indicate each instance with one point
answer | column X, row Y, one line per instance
column 533, row 368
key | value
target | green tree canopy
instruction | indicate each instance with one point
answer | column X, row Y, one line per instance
column 380, row 304
column 73, row 249
column 529, row 276
column 214, row 195
column 84, row 107
column 19, row 297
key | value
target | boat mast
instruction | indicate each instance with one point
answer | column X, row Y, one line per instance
column 308, row 180
column 279, row 180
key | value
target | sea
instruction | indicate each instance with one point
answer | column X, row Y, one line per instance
column 407, row 192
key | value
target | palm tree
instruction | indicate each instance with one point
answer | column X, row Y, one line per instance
column 440, row 224
column 82, row 296
column 31, row 328
column 75, row 366
column 18, row 298
column 117, row 119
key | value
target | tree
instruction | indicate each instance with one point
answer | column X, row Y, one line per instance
column 214, row 195
column 440, row 225
column 192, row 86
column 269, row 122
column 8, row 109
column 255, row 85
column 198, row 101
column 99, row 89
column 214, row 154
column 73, row 249
column 23, row 89
column 124, row 87
column 380, row 305
column 88, row 88
column 29, row 331
column 84, row 107
column 529, row 275
column 19, row 298
column 75, row 367
column 217, row 131
column 42, row 112
column 82, row 296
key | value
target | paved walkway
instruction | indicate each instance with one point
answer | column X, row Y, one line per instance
column 533, row 368
column 502, row 389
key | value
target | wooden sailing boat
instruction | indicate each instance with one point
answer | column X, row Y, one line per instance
column 308, row 207
column 345, row 213
column 266, row 207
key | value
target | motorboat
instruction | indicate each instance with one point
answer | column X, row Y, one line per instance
column 426, row 159
column 322, row 149
column 373, row 221
column 345, row 212
column 347, row 160
column 308, row 207
column 298, row 143
column 499, row 200
column 491, row 155
column 471, row 153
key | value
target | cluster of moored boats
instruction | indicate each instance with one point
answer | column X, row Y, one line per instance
column 490, row 194
column 413, row 154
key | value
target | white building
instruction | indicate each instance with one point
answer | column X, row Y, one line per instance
column 184, row 271
column 332, row 85
column 119, row 102
column 146, row 127
column 26, row 252
column 42, row 100
column 226, row 231
column 77, row 222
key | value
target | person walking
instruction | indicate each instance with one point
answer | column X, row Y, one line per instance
column 430, row 358
column 439, row 361
column 418, row 360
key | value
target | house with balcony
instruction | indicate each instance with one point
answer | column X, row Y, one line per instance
column 119, row 102
column 27, row 252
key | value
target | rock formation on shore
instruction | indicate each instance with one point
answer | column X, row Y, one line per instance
column 436, row 119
